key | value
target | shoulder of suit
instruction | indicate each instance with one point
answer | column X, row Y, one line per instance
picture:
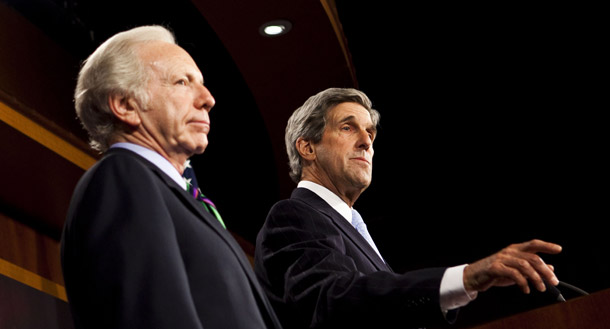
column 297, row 213
column 119, row 164
column 290, row 205
column 121, row 154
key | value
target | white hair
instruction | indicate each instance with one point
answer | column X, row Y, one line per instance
column 114, row 68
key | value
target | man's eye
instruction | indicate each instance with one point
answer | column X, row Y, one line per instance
column 181, row 82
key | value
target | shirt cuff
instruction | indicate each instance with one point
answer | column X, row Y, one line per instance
column 453, row 294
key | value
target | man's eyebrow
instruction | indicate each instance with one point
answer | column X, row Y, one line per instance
column 351, row 118
column 347, row 119
column 195, row 77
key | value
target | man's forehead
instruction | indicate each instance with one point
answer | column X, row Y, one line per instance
column 167, row 57
column 349, row 111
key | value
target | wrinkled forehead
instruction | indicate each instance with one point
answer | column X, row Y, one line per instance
column 168, row 58
column 350, row 111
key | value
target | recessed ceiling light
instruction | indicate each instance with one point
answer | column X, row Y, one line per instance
column 275, row 28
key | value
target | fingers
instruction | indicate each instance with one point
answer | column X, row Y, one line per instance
column 517, row 264
column 536, row 246
column 530, row 268
column 530, row 265
column 518, row 278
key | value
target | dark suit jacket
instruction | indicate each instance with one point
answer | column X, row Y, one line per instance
column 139, row 252
column 319, row 272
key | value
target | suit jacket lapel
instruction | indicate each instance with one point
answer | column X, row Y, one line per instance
column 348, row 230
column 215, row 225
column 228, row 238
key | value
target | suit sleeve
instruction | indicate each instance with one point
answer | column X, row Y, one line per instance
column 122, row 261
column 302, row 262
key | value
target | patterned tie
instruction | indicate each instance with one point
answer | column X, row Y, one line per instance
column 207, row 203
column 195, row 192
column 360, row 226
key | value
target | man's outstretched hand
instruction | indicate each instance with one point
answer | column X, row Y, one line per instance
column 516, row 264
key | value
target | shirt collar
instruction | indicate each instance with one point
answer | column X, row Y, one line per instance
column 331, row 198
column 156, row 158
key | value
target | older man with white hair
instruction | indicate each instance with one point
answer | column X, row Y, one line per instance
column 141, row 248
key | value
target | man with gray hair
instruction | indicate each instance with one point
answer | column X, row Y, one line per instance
column 141, row 248
column 315, row 258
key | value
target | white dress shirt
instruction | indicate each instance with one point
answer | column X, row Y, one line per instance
column 452, row 291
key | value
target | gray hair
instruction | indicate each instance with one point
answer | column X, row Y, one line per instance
column 114, row 68
column 309, row 121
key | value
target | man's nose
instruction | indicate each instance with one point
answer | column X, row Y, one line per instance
column 205, row 100
column 364, row 141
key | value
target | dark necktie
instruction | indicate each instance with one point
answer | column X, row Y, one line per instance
column 195, row 192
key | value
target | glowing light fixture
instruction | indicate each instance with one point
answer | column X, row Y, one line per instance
column 275, row 28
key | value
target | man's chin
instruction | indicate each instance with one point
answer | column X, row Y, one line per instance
column 366, row 182
column 362, row 182
column 198, row 148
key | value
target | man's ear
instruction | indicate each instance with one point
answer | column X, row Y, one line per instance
column 306, row 149
column 125, row 109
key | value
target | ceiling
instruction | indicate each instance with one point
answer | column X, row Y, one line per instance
column 490, row 131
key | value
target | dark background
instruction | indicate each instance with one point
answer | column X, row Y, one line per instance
column 491, row 133
column 491, row 123
column 492, row 127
